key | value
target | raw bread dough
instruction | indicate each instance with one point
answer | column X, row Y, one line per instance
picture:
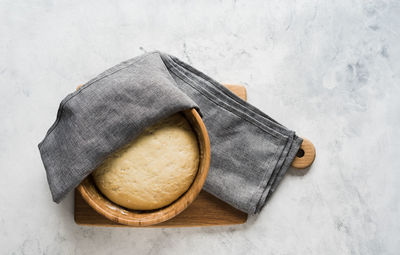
column 154, row 169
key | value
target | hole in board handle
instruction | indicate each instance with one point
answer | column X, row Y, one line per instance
column 300, row 153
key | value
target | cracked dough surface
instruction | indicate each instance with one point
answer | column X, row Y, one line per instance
column 154, row 169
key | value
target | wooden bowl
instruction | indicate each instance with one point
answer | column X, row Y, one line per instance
column 122, row 215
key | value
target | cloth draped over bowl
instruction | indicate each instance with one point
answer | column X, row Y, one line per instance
column 250, row 152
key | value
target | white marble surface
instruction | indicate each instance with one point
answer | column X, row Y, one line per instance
column 328, row 69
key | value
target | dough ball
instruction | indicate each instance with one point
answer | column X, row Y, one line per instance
column 154, row 169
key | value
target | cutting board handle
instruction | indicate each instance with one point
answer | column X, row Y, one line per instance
column 305, row 156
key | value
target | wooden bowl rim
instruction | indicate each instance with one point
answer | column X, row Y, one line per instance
column 159, row 215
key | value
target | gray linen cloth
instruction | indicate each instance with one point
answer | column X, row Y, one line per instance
column 250, row 152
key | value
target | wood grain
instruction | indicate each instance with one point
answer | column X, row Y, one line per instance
column 206, row 210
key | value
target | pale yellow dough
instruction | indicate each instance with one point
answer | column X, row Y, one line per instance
column 153, row 170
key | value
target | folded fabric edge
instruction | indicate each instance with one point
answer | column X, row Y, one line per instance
column 283, row 157
column 279, row 172
column 237, row 105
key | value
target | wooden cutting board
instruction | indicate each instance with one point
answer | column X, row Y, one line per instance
column 206, row 210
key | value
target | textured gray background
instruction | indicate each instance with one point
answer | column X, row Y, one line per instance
column 329, row 70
